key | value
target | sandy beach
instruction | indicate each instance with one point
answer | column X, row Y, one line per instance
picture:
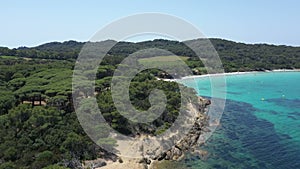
column 230, row 74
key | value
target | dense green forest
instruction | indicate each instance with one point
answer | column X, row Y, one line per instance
column 39, row 127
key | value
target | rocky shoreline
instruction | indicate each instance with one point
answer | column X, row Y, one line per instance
column 175, row 153
column 191, row 140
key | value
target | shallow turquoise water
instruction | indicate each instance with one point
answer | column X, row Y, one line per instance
column 260, row 127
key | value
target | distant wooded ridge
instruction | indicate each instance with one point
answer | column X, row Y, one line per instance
column 234, row 56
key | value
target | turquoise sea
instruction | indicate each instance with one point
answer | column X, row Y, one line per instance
column 260, row 126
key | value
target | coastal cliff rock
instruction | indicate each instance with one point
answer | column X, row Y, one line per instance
column 191, row 140
column 176, row 152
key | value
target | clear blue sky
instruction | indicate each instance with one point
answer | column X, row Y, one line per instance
column 30, row 22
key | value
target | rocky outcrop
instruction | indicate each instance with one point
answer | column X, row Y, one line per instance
column 95, row 163
column 191, row 140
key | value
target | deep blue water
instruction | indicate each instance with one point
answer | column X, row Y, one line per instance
column 260, row 126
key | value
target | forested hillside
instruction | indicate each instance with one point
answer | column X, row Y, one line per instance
column 39, row 127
